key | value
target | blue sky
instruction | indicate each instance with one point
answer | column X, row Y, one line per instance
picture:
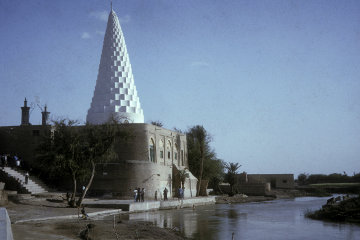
column 276, row 83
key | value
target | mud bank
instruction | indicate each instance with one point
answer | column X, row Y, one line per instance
column 71, row 228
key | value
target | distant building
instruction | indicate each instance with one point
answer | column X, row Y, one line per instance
column 261, row 184
column 285, row 181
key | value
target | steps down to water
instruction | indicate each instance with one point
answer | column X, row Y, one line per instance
column 33, row 186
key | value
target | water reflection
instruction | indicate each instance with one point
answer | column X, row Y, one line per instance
column 280, row 219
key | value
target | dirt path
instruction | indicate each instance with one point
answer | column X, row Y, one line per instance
column 70, row 229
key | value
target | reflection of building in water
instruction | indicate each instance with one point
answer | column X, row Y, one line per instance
column 186, row 220
column 190, row 221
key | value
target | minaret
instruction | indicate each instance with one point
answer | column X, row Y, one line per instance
column 45, row 116
column 115, row 93
column 25, row 116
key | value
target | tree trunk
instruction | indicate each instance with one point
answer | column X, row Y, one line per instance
column 218, row 187
column 190, row 187
column 72, row 199
column 79, row 202
column 201, row 169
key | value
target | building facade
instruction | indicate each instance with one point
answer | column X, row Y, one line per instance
column 151, row 160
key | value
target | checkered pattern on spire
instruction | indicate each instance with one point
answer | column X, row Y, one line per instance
column 115, row 91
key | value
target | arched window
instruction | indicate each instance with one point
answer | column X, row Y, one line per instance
column 176, row 157
column 168, row 149
column 152, row 150
column 161, row 145
column 182, row 157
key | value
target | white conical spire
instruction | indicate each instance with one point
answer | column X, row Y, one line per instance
column 115, row 92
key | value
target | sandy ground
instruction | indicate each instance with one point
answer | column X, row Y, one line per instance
column 104, row 229
column 70, row 229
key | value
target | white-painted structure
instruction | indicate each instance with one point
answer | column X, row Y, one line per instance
column 115, row 92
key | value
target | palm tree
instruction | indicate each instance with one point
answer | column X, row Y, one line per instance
column 183, row 175
column 230, row 176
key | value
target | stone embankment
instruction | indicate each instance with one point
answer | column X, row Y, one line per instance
column 130, row 206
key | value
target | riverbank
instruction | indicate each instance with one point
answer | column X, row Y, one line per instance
column 272, row 195
column 327, row 189
column 240, row 198
column 47, row 222
column 51, row 219
column 344, row 211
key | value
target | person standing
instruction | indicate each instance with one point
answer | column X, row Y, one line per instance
column 2, row 160
column 135, row 194
column 156, row 195
column 142, row 194
column 138, row 195
column 165, row 194
column 17, row 161
column 26, row 177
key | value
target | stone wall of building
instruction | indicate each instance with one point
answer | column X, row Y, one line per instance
column 21, row 141
column 255, row 189
column 144, row 159
column 276, row 180
column 250, row 189
column 120, row 179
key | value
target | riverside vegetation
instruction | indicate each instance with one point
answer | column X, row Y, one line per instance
column 347, row 210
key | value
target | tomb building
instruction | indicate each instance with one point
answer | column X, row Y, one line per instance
column 115, row 93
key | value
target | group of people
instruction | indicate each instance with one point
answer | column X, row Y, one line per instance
column 10, row 160
column 139, row 194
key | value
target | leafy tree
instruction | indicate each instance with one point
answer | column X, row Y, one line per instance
column 302, row 179
column 75, row 150
column 98, row 148
column 60, row 152
column 199, row 140
column 230, row 176
column 203, row 162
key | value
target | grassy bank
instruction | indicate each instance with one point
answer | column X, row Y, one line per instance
column 326, row 189
column 335, row 185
